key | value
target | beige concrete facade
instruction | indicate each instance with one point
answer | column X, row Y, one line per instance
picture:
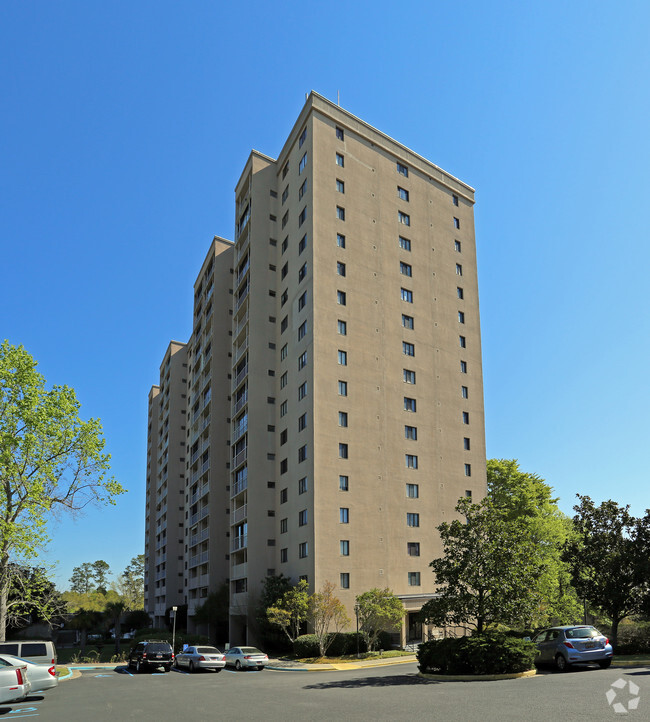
column 346, row 411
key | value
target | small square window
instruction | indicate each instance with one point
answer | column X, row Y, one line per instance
column 457, row 246
column 409, row 404
column 412, row 519
column 466, row 444
column 402, row 170
column 340, row 213
column 456, row 223
column 340, row 186
column 302, row 422
column 302, row 330
column 343, row 358
column 340, row 240
column 302, row 485
column 340, row 160
column 302, row 273
column 341, row 298
column 339, row 133
column 302, row 391
column 459, row 269
column 407, row 321
column 413, row 549
column 468, row 469
column 409, row 376
column 404, row 243
column 343, row 483
column 411, row 432
column 464, row 392
column 302, row 164
column 342, row 327
column 345, row 580
column 340, row 268
column 462, row 341
column 454, row 199
column 466, row 417
column 283, row 526
column 402, row 193
column 283, row 495
column 412, row 491
column 302, row 360
column 345, row 547
column 408, row 348
column 411, row 461
column 302, row 517
column 343, row 451
column 343, row 418
column 404, row 218
column 303, row 550
column 302, row 301
column 302, row 217
column 405, row 269
column 343, row 388
column 302, row 190
column 414, row 579
column 463, row 367
column 406, row 295
column 344, row 515
column 459, row 292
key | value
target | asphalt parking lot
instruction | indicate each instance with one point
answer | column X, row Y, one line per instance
column 389, row 693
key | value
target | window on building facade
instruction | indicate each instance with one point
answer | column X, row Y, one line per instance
column 302, row 517
column 302, row 190
column 283, row 495
column 302, row 273
column 343, row 357
column 344, row 515
column 466, row 444
column 302, row 422
column 406, row 295
column 404, row 218
column 284, row 554
column 412, row 519
column 343, row 388
column 402, row 193
column 342, row 327
column 402, row 170
column 340, row 268
column 343, row 418
column 340, row 160
column 303, row 138
column 468, row 469
column 466, row 417
column 344, row 483
column 407, row 321
column 461, row 317
column 414, row 579
column 413, row 549
column 409, row 404
column 302, row 244
column 456, row 223
column 405, row 269
column 408, row 348
column 464, row 392
column 343, row 451
column 340, row 186
column 302, row 454
column 411, row 461
column 340, row 240
column 302, row 164
column 302, row 330
column 459, row 292
column 283, row 526
column 302, row 391
column 302, row 301
column 457, row 246
column 409, row 376
column 340, row 213
column 339, row 133
column 341, row 298
column 404, row 243
column 302, row 485
column 411, row 432
column 463, row 367
column 345, row 580
column 302, row 361
column 462, row 341
column 303, row 550
column 344, row 546
column 412, row 491
column 302, row 217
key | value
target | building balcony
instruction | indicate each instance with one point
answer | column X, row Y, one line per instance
column 238, row 487
column 201, row 514
column 240, row 377
column 240, row 402
column 240, row 458
column 238, row 431
column 240, row 350
column 199, row 537
column 239, row 603
column 239, row 542
column 237, row 515
column 239, row 571
column 197, row 559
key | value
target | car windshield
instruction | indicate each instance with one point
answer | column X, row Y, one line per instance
column 250, row 650
column 582, row 633
column 157, row 648
column 207, row 650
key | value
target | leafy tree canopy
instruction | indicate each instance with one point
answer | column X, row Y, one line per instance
column 291, row 610
column 328, row 616
column 49, row 460
column 379, row 609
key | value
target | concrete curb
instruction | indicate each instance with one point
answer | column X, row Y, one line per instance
column 476, row 677
column 333, row 667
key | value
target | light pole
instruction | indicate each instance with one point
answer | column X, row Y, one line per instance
column 174, row 631
column 356, row 611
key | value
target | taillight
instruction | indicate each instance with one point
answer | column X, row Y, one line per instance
column 247, row 656
column 606, row 641
column 19, row 676
column 201, row 658
column 569, row 645
column 144, row 655
column 52, row 671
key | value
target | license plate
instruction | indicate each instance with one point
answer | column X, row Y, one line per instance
column 590, row 645
column 159, row 656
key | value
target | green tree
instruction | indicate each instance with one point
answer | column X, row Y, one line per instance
column 214, row 612
column 131, row 583
column 379, row 610
column 273, row 588
column 291, row 611
column 328, row 616
column 528, row 500
column 609, row 557
column 114, row 611
column 49, row 460
column 100, row 574
column 488, row 573
column 85, row 621
column 33, row 598
column 81, row 581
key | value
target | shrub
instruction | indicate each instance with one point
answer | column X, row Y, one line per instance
column 346, row 643
column 306, row 646
column 633, row 639
column 490, row 653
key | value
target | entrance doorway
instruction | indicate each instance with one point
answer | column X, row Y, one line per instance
column 414, row 631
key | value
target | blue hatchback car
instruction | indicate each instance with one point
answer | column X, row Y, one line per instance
column 564, row 646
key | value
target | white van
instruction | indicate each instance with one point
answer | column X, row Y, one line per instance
column 42, row 651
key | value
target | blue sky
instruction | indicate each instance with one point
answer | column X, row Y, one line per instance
column 125, row 125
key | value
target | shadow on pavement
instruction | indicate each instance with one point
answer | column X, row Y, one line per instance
column 393, row 681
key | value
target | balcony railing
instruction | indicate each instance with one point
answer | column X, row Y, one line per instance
column 201, row 514
column 239, row 431
column 240, row 402
column 199, row 537
column 239, row 514
column 239, row 542
column 238, row 487
column 201, row 558
column 240, row 458
column 240, row 376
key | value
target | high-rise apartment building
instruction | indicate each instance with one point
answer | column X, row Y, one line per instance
column 356, row 402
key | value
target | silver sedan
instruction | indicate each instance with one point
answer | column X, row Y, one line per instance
column 42, row 676
column 195, row 658
column 246, row 658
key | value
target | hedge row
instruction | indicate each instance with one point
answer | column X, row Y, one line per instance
column 482, row 654
column 343, row 643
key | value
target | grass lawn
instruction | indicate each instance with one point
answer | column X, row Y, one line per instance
column 352, row 658
column 93, row 654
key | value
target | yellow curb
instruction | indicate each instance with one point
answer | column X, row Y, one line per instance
column 476, row 677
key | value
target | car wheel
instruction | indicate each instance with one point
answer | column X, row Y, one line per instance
column 605, row 663
column 168, row 668
column 175, row 663
column 238, row 665
column 561, row 663
column 192, row 667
